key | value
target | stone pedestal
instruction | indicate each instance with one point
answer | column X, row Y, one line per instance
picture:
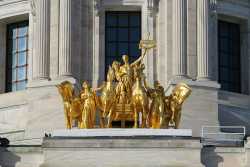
column 123, row 151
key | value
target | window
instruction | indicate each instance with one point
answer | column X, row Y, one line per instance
column 122, row 36
column 229, row 56
column 17, row 55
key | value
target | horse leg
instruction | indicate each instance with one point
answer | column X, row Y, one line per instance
column 177, row 119
column 144, row 115
column 135, row 118
column 161, row 116
column 68, row 124
column 70, row 121
column 110, row 119
column 67, row 117
column 101, row 119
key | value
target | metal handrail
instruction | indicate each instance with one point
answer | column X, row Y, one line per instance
column 223, row 136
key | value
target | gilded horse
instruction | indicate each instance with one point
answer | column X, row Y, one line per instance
column 106, row 102
column 139, row 100
column 72, row 105
column 174, row 104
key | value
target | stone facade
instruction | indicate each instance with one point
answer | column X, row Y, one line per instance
column 67, row 42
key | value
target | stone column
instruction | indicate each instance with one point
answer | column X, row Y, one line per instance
column 42, row 42
column 65, row 42
column 202, row 40
column 180, row 38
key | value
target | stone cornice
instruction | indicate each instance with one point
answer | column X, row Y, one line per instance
column 14, row 8
column 8, row 2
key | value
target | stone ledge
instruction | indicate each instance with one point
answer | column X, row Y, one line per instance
column 127, row 142
column 121, row 132
column 196, row 83
column 49, row 82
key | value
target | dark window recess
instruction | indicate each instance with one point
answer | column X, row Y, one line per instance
column 17, row 56
column 229, row 56
column 122, row 36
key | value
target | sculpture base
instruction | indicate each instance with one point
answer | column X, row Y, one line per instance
column 134, row 147
column 120, row 132
column 121, row 147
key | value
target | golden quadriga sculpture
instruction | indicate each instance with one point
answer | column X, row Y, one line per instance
column 124, row 96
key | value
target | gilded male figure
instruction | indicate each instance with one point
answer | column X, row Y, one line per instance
column 125, row 78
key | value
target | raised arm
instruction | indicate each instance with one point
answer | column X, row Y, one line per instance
column 139, row 60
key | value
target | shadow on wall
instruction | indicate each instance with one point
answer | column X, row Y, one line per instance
column 8, row 158
column 209, row 158
column 234, row 116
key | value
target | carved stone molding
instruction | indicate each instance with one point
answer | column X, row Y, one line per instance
column 33, row 7
column 97, row 7
column 153, row 7
column 213, row 6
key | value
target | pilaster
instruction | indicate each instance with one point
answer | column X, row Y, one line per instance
column 180, row 38
column 42, row 42
column 65, row 42
column 203, row 72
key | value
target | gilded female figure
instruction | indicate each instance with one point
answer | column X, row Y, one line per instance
column 88, row 99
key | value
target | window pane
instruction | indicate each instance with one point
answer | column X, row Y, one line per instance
column 21, row 85
column 223, row 30
column 236, row 61
column 111, row 34
column 123, row 34
column 134, row 20
column 123, row 49
column 111, row 20
column 13, row 74
column 134, row 50
column 111, row 50
column 22, row 31
column 13, row 87
column 21, row 73
column 21, row 44
column 123, row 20
column 22, row 58
column 235, row 75
column 224, row 74
column 13, row 33
column 12, row 46
column 223, row 60
column 14, row 55
column 224, row 45
column 134, row 34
